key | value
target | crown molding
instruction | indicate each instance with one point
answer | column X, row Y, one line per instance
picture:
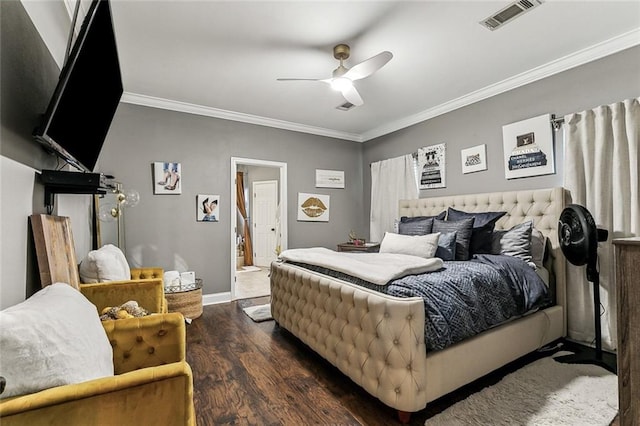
column 581, row 57
column 150, row 101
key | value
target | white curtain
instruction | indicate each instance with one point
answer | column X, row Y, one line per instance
column 601, row 173
column 391, row 181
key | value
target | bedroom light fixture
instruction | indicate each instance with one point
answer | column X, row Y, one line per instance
column 341, row 83
column 109, row 212
column 342, row 77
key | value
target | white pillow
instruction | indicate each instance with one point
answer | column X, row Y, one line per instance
column 53, row 338
column 415, row 245
column 105, row 264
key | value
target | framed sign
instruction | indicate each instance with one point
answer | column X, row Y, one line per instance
column 329, row 178
column 528, row 148
column 474, row 159
column 431, row 166
column 313, row 207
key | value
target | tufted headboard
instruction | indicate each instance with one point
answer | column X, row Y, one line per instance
column 542, row 206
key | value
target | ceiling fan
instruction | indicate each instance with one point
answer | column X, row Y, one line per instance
column 343, row 77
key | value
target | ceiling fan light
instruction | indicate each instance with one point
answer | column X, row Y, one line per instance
column 341, row 83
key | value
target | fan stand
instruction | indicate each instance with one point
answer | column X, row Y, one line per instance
column 585, row 354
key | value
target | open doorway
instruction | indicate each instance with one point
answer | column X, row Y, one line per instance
column 258, row 223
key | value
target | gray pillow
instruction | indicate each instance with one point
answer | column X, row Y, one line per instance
column 418, row 225
column 515, row 242
column 482, row 227
column 538, row 246
column 447, row 246
column 463, row 229
column 415, row 225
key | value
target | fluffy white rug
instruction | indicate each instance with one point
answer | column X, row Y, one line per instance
column 259, row 313
column 543, row 393
column 249, row 269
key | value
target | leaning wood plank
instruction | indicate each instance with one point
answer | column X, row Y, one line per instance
column 55, row 250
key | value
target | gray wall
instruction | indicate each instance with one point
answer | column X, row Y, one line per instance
column 28, row 75
column 605, row 81
column 162, row 230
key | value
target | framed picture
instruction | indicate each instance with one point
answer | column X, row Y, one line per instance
column 474, row 159
column 313, row 207
column 528, row 148
column 329, row 178
column 431, row 166
column 207, row 208
column 167, row 178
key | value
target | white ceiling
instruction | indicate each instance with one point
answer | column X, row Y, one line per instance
column 222, row 58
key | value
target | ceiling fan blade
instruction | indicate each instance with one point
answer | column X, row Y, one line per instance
column 368, row 67
column 351, row 94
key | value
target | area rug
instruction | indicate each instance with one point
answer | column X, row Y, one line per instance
column 249, row 269
column 259, row 313
column 543, row 393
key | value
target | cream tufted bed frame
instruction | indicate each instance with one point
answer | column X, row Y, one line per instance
column 378, row 340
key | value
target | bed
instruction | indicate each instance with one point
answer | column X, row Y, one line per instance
column 378, row 340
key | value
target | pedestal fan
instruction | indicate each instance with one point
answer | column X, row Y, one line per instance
column 579, row 239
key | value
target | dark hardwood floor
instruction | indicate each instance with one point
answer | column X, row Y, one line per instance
column 250, row 373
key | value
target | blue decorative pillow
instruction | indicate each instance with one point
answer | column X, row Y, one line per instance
column 463, row 229
column 415, row 225
column 483, row 226
column 447, row 246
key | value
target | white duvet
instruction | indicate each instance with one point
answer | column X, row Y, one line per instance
column 376, row 268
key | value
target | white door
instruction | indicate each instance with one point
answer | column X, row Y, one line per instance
column 265, row 204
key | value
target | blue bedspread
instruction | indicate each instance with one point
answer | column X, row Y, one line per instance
column 465, row 298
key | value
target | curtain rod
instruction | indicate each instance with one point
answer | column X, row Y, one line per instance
column 556, row 122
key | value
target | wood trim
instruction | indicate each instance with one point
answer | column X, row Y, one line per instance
column 55, row 250
column 627, row 270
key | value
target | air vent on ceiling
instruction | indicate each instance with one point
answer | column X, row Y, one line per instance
column 345, row 106
column 509, row 13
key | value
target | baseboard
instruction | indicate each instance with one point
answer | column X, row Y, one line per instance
column 215, row 298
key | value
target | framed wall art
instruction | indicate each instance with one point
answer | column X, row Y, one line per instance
column 528, row 148
column 431, row 167
column 329, row 178
column 474, row 159
column 167, row 178
column 313, row 207
column 207, row 208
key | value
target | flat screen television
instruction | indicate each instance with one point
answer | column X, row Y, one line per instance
column 86, row 97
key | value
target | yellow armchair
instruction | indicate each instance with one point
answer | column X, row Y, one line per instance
column 145, row 287
column 57, row 262
column 153, row 384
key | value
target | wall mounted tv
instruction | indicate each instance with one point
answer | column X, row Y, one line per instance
column 84, row 102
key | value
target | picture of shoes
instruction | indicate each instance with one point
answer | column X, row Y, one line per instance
column 175, row 179
column 209, row 211
column 167, row 176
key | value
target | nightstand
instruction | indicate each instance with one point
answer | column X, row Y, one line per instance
column 363, row 248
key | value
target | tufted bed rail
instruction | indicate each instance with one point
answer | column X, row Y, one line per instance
column 378, row 340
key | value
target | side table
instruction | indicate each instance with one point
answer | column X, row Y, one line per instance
column 363, row 248
column 186, row 299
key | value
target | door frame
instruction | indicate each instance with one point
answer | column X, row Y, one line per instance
column 282, row 192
